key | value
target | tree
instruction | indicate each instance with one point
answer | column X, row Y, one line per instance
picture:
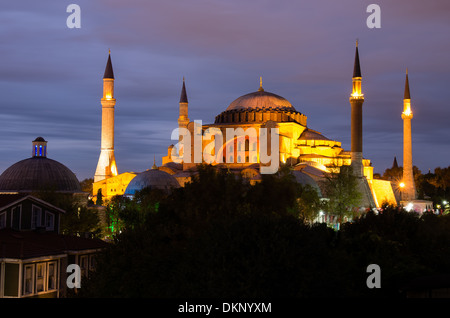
column 214, row 240
column 81, row 220
column 219, row 236
column 77, row 218
column 309, row 203
column 87, row 185
column 99, row 197
column 341, row 190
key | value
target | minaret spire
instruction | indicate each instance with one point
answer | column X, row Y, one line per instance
column 109, row 69
column 183, row 96
column 409, row 190
column 356, row 102
column 183, row 119
column 356, row 66
column 106, row 166
column 356, row 152
column 407, row 95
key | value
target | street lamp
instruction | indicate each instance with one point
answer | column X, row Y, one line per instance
column 402, row 185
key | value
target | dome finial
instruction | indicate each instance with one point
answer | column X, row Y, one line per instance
column 154, row 163
column 260, row 89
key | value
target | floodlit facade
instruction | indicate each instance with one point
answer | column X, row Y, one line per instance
column 259, row 121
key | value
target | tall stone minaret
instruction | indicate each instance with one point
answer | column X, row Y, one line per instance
column 106, row 166
column 183, row 119
column 356, row 102
column 409, row 190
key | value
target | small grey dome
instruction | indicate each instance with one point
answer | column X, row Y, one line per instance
column 305, row 179
column 39, row 173
column 153, row 178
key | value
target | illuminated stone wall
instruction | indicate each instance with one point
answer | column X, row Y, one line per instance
column 113, row 186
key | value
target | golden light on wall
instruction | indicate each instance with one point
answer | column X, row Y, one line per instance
column 114, row 169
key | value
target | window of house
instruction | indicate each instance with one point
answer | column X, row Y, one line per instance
column 51, row 277
column 2, row 220
column 84, row 265
column 40, row 277
column 49, row 221
column 36, row 217
column 15, row 217
column 92, row 262
column 28, row 279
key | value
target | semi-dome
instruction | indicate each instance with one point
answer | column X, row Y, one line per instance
column 152, row 178
column 260, row 100
column 309, row 134
column 39, row 173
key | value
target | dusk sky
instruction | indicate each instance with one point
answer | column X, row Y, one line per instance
column 51, row 75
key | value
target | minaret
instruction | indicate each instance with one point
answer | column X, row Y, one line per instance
column 183, row 119
column 356, row 102
column 106, row 166
column 409, row 190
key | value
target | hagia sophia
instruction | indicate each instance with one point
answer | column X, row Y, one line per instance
column 310, row 155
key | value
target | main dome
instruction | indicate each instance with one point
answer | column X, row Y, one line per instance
column 260, row 107
column 260, row 100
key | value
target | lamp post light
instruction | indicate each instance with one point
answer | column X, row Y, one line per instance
column 402, row 186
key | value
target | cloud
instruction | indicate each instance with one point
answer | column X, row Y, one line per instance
column 51, row 76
